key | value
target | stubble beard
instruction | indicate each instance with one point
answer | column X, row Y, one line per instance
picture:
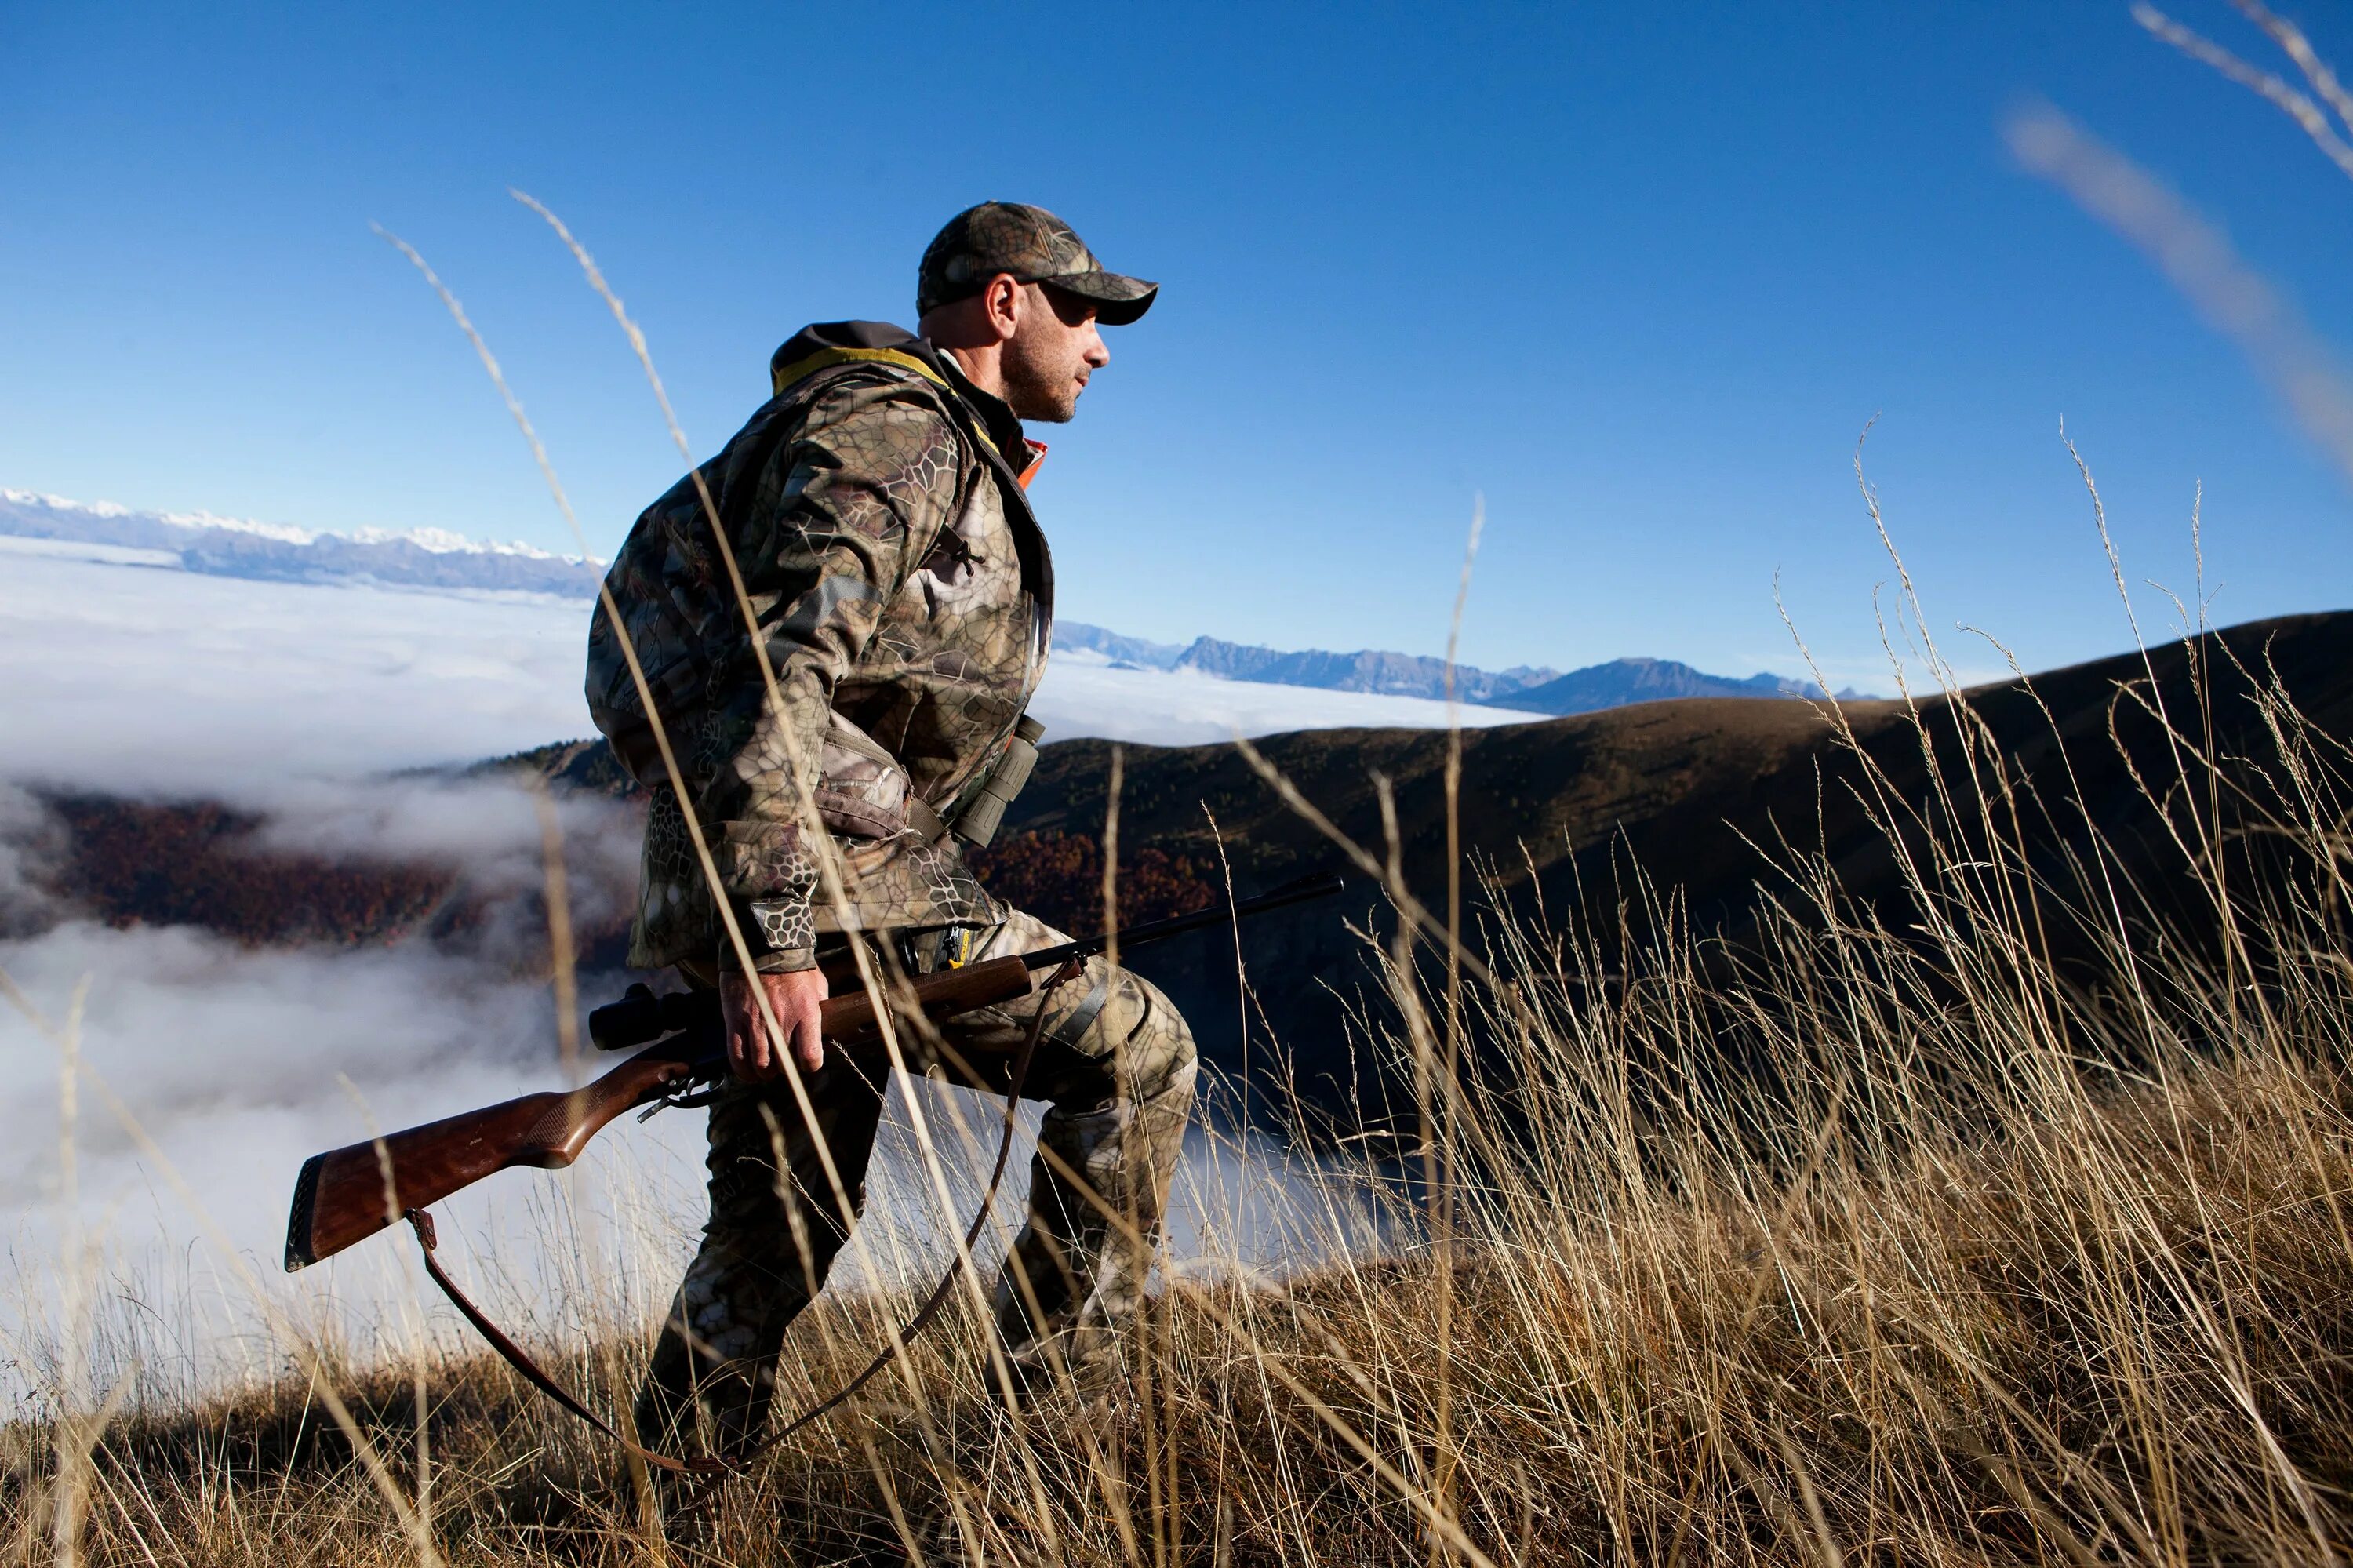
column 1035, row 389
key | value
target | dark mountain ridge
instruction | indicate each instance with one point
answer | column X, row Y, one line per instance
column 1688, row 793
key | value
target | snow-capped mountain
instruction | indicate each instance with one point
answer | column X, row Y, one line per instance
column 436, row 559
column 239, row 547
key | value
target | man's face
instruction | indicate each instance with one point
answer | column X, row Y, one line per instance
column 1053, row 349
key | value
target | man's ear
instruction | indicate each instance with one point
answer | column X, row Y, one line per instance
column 1001, row 302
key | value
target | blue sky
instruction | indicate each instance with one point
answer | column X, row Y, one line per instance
column 1640, row 274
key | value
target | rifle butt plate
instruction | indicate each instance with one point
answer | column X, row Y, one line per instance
column 298, row 1224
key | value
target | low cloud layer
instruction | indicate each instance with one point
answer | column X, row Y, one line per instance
column 1084, row 695
column 139, row 679
column 149, row 679
column 240, row 1064
column 30, row 842
column 294, row 701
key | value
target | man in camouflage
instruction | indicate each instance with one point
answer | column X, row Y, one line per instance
column 876, row 510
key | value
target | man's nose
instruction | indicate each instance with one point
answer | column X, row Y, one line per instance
column 1098, row 352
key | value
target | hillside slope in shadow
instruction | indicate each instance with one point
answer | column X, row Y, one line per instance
column 1697, row 808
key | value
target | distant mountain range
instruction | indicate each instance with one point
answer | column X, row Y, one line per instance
column 235, row 547
column 435, row 558
column 1596, row 687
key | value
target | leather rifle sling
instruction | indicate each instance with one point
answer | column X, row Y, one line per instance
column 717, row 1469
column 537, row 1376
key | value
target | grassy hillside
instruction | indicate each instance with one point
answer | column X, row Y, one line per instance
column 1715, row 801
column 2038, row 1253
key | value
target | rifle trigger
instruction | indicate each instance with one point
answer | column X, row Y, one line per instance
column 683, row 1097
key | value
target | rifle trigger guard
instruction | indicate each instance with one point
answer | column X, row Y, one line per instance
column 685, row 1097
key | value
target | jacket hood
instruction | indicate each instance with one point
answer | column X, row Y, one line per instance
column 821, row 343
column 818, row 336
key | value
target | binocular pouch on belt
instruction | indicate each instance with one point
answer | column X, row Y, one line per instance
column 977, row 823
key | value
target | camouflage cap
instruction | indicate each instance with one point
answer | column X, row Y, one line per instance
column 1033, row 245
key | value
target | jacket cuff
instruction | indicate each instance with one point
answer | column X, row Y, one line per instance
column 779, row 932
column 764, row 863
column 766, row 962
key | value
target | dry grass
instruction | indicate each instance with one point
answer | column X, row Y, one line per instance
column 1864, row 1243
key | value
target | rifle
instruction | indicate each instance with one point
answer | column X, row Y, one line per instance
column 348, row 1195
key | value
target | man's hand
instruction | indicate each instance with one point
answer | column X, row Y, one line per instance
column 797, row 1000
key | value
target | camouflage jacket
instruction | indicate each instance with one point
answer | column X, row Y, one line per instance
column 905, row 599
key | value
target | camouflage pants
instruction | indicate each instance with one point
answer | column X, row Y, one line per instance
column 1115, row 1066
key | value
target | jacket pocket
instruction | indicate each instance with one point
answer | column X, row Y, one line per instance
column 861, row 790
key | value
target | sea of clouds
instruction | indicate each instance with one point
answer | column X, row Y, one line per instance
column 298, row 703
column 134, row 674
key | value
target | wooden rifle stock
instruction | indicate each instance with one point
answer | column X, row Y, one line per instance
column 348, row 1195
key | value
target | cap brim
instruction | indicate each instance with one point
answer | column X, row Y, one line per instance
column 1118, row 300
